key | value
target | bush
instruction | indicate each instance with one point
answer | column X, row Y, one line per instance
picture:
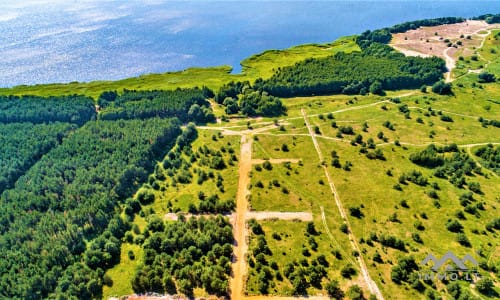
column 333, row 290
column 485, row 77
column 463, row 240
column 267, row 165
column 348, row 271
column 454, row 226
column 344, row 228
column 355, row 293
column 485, row 286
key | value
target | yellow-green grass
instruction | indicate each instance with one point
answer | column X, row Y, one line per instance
column 122, row 273
column 304, row 181
column 260, row 65
column 181, row 196
column 267, row 146
column 464, row 129
column 289, row 249
column 368, row 184
column 491, row 43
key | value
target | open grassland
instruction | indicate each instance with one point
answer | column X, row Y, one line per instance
column 298, row 186
column 416, row 215
column 260, row 65
column 383, row 212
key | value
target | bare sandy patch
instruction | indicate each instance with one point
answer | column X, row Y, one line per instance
column 445, row 41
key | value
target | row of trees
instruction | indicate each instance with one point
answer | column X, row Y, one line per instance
column 70, row 196
column 376, row 68
column 70, row 109
column 185, row 104
column 23, row 144
column 184, row 255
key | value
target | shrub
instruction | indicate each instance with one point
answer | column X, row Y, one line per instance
column 333, row 290
column 344, row 228
column 348, row 271
column 485, row 77
column 441, row 88
column 463, row 240
column 454, row 226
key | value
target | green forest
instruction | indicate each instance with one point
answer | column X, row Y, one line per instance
column 69, row 109
column 375, row 69
column 23, row 144
column 185, row 104
column 196, row 253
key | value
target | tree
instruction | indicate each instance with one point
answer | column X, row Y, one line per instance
column 376, row 88
column 299, row 284
column 311, row 229
column 169, row 284
column 348, row 271
column 355, row 292
column 231, row 105
column 333, row 290
column 454, row 226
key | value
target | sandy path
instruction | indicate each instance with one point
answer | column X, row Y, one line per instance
column 372, row 286
column 237, row 283
column 269, row 215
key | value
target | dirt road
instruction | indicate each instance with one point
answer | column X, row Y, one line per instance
column 237, row 283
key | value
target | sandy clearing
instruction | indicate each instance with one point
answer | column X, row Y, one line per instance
column 269, row 215
column 430, row 41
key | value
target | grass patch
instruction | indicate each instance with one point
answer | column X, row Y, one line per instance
column 287, row 242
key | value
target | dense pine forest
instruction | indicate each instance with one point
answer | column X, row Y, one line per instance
column 375, row 69
column 60, row 222
column 185, row 104
column 69, row 109
column 23, row 144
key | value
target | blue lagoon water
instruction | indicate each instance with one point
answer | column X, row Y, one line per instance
column 44, row 41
